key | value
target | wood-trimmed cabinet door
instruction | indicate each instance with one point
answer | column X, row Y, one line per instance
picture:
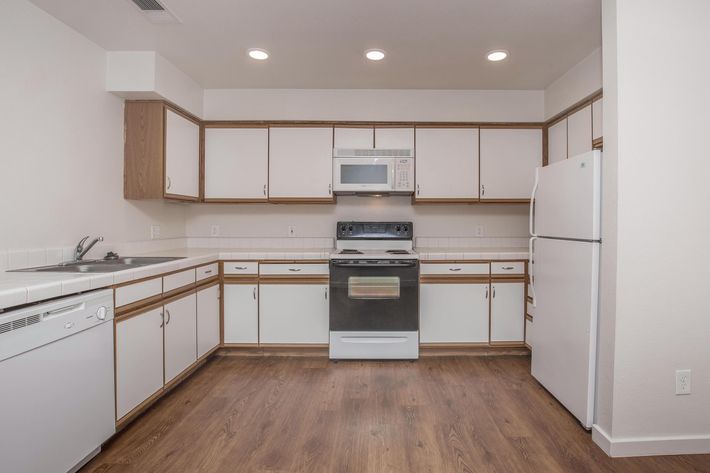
column 579, row 132
column 446, row 164
column 293, row 313
column 180, row 335
column 182, row 156
column 139, row 359
column 207, row 319
column 557, row 142
column 509, row 157
column 301, row 164
column 507, row 312
column 236, row 164
column 241, row 313
column 453, row 313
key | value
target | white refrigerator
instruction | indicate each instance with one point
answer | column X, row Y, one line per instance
column 564, row 250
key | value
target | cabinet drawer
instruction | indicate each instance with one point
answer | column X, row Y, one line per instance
column 453, row 269
column 241, row 267
column 298, row 269
column 517, row 267
column 178, row 280
column 204, row 272
column 136, row 292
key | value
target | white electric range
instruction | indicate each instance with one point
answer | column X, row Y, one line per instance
column 374, row 292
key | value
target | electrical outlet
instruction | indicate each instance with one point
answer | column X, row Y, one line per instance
column 479, row 230
column 214, row 230
column 291, row 231
column 682, row 382
column 154, row 232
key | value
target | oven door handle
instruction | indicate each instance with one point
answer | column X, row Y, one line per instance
column 375, row 265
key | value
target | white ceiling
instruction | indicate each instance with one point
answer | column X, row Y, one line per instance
column 431, row 44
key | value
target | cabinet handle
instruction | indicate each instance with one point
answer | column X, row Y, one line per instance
column 483, row 189
column 326, row 293
column 486, row 292
column 264, row 189
column 167, row 312
column 240, row 268
column 507, row 268
column 162, row 319
column 330, row 189
column 454, row 269
column 170, row 183
column 295, row 270
column 494, row 292
column 254, row 293
column 209, row 271
column 417, row 189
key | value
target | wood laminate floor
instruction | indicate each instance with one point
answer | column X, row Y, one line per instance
column 439, row 414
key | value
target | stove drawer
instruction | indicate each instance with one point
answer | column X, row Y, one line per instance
column 294, row 269
column 455, row 269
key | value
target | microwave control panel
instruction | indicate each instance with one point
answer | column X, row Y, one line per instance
column 404, row 174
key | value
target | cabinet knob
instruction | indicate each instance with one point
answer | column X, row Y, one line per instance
column 170, row 183
column 494, row 292
column 330, row 189
column 326, row 293
column 264, row 189
column 254, row 293
column 162, row 319
column 167, row 312
column 417, row 189
column 483, row 189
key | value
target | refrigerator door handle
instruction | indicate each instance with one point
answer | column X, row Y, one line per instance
column 532, row 270
column 532, row 204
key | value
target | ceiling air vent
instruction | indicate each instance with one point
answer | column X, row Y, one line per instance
column 148, row 5
column 156, row 12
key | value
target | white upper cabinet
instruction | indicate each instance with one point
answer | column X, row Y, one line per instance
column 394, row 138
column 597, row 119
column 301, row 163
column 508, row 161
column 350, row 137
column 236, row 163
column 182, row 156
column 557, row 142
column 446, row 164
column 579, row 132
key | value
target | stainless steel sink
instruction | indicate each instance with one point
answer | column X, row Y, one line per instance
column 100, row 266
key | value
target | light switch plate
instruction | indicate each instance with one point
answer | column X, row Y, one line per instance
column 154, row 232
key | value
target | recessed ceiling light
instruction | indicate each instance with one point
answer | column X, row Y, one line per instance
column 375, row 54
column 497, row 55
column 259, row 54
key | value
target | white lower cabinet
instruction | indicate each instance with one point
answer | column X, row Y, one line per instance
column 180, row 335
column 507, row 311
column 241, row 313
column 453, row 313
column 207, row 319
column 139, row 359
column 293, row 313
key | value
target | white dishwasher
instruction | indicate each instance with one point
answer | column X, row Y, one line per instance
column 56, row 383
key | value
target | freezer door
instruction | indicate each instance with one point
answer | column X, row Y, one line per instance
column 564, row 356
column 567, row 200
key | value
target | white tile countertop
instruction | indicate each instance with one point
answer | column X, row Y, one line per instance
column 22, row 288
column 513, row 253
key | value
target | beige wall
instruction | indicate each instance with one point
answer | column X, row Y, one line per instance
column 61, row 166
column 657, row 319
column 580, row 81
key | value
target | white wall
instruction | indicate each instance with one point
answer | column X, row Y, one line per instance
column 375, row 105
column 61, row 166
column 580, row 81
column 319, row 220
column 661, row 320
column 148, row 75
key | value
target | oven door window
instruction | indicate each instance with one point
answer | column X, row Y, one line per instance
column 373, row 287
column 363, row 173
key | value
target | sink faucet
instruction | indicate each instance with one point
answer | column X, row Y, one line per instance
column 81, row 250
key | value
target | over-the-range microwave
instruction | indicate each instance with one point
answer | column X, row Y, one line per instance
column 373, row 171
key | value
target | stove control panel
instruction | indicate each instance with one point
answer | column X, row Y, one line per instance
column 374, row 230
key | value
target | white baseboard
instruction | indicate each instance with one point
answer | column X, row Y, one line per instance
column 648, row 446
